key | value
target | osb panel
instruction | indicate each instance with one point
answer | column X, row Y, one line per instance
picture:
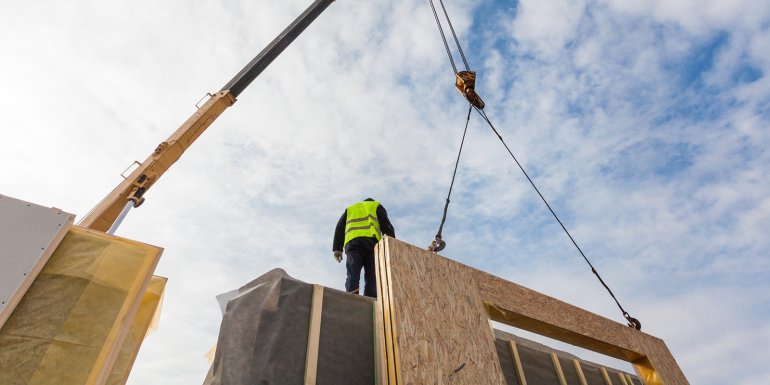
column 667, row 371
column 440, row 320
column 385, row 308
column 544, row 309
column 559, row 320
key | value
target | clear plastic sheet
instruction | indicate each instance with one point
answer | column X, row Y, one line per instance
column 64, row 327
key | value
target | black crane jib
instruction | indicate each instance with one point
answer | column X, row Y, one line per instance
column 261, row 61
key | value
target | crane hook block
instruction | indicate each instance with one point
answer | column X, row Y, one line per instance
column 466, row 84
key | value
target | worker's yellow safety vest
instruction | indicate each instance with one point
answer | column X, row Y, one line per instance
column 362, row 221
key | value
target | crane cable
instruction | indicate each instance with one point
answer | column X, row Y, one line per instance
column 632, row 322
column 438, row 244
column 441, row 31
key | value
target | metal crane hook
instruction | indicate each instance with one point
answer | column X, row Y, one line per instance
column 633, row 322
column 437, row 245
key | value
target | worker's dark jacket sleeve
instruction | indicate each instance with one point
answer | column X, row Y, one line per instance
column 339, row 231
column 385, row 225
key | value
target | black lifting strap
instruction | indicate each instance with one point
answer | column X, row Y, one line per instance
column 632, row 322
column 438, row 244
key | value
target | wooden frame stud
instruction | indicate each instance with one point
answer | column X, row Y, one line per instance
column 314, row 334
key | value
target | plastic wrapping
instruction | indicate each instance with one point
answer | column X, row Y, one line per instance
column 63, row 329
column 569, row 371
column 506, row 362
column 264, row 335
column 211, row 354
column 538, row 366
column 145, row 323
column 593, row 374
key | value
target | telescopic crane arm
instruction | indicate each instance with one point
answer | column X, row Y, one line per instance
column 106, row 216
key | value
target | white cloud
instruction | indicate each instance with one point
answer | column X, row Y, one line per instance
column 662, row 182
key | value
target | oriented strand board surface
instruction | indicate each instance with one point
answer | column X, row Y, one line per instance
column 534, row 311
column 441, row 322
column 440, row 311
column 539, row 313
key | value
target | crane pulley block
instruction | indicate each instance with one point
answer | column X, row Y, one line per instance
column 466, row 84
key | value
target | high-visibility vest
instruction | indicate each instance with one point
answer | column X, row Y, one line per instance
column 362, row 221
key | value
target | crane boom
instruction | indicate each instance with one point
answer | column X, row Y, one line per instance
column 131, row 190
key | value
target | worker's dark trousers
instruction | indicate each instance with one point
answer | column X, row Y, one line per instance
column 360, row 256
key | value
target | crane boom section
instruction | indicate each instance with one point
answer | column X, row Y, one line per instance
column 165, row 155
column 143, row 177
column 264, row 58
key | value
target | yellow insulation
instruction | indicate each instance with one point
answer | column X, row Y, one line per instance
column 64, row 327
column 145, row 323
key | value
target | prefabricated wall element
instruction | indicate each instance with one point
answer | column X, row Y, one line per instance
column 527, row 362
column 73, row 320
column 145, row 323
column 279, row 330
column 28, row 236
column 435, row 314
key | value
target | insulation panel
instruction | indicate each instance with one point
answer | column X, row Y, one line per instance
column 76, row 311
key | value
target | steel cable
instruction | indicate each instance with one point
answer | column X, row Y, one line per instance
column 467, row 67
column 446, row 206
column 441, row 30
column 632, row 321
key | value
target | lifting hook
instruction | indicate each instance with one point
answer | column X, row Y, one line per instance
column 466, row 84
column 437, row 245
column 633, row 322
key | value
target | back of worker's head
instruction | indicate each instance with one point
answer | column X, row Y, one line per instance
column 368, row 200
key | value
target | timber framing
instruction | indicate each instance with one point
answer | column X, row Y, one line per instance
column 435, row 316
column 313, row 335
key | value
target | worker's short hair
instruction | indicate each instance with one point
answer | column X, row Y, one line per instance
column 368, row 200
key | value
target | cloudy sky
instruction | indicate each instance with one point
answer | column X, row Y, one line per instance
column 644, row 123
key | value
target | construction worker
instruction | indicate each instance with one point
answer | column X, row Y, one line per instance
column 358, row 231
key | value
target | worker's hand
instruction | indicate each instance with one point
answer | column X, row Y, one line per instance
column 338, row 256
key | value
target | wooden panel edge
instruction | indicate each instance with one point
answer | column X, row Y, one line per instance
column 557, row 367
column 517, row 362
column 139, row 345
column 125, row 326
column 605, row 375
column 313, row 336
column 579, row 371
column 623, row 379
column 393, row 313
column 385, row 307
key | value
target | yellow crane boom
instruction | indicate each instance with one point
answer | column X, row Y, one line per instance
column 103, row 216
column 108, row 214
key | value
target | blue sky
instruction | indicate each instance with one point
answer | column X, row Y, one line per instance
column 643, row 123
